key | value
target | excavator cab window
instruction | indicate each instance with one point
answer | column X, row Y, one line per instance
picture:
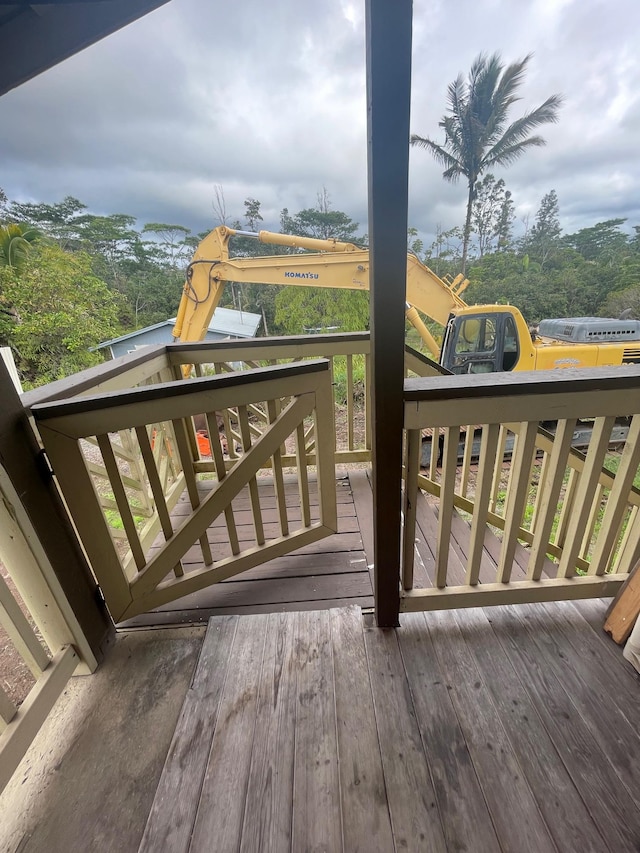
column 481, row 343
column 474, row 345
column 510, row 352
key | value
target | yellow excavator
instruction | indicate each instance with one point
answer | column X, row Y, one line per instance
column 477, row 338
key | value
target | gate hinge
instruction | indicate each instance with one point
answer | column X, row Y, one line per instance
column 44, row 465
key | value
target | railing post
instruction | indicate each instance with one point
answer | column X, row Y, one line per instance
column 388, row 101
column 45, row 525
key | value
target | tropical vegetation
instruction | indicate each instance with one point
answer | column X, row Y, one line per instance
column 79, row 279
column 477, row 137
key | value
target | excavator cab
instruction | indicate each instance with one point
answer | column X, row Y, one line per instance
column 480, row 342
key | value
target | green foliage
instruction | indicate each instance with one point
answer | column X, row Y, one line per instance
column 340, row 385
column 320, row 222
column 15, row 244
column 544, row 240
column 130, row 278
column 604, row 241
column 172, row 246
column 492, row 214
column 301, row 310
column 477, row 136
column 59, row 221
column 61, row 310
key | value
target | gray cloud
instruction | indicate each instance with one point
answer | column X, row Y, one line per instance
column 269, row 101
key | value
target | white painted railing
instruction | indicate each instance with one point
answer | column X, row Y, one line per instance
column 41, row 629
column 491, row 460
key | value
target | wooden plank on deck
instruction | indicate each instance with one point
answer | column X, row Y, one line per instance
column 410, row 792
column 505, row 788
column 238, row 593
column 221, row 808
column 267, row 817
column 317, row 821
column 173, row 812
column 609, row 803
column 465, row 818
column 366, row 823
column 568, row 819
column 590, row 691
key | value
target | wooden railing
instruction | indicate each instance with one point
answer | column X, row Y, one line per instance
column 137, row 494
column 141, row 556
column 567, row 526
column 350, row 369
column 40, row 629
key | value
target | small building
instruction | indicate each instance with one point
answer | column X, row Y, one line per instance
column 226, row 324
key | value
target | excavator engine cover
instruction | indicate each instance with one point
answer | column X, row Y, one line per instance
column 587, row 330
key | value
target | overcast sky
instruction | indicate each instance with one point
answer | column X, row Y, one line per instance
column 268, row 101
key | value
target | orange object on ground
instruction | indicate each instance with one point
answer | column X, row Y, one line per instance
column 203, row 443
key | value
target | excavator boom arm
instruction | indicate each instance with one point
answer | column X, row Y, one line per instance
column 340, row 266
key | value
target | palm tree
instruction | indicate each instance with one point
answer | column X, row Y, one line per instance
column 476, row 136
column 15, row 244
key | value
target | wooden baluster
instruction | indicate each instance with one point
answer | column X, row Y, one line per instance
column 618, row 500
column 367, row 401
column 182, row 444
column 414, row 441
column 596, row 506
column 588, row 484
column 497, row 471
column 447, row 491
column 542, row 479
column 278, row 478
column 350, row 431
column 517, row 495
column 121, row 499
column 629, row 551
column 303, row 477
column 254, row 493
column 156, row 489
column 567, row 506
column 466, row 460
column 548, row 496
column 221, row 473
column 488, row 449
column 435, row 453
column 231, row 444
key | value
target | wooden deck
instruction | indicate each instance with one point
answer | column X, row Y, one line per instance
column 330, row 573
column 499, row 729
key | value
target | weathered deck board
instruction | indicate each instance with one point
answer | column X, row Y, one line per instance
column 410, row 793
column 610, row 805
column 589, row 689
column 172, row 816
column 220, row 815
column 315, row 809
column 268, row 827
column 466, row 821
column 450, row 733
column 367, row 825
column 568, row 820
column 505, row 789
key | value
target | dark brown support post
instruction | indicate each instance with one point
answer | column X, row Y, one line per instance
column 20, row 457
column 389, row 25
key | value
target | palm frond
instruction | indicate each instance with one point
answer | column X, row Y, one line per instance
column 509, row 154
column 440, row 154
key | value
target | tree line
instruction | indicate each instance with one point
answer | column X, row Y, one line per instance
column 70, row 279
